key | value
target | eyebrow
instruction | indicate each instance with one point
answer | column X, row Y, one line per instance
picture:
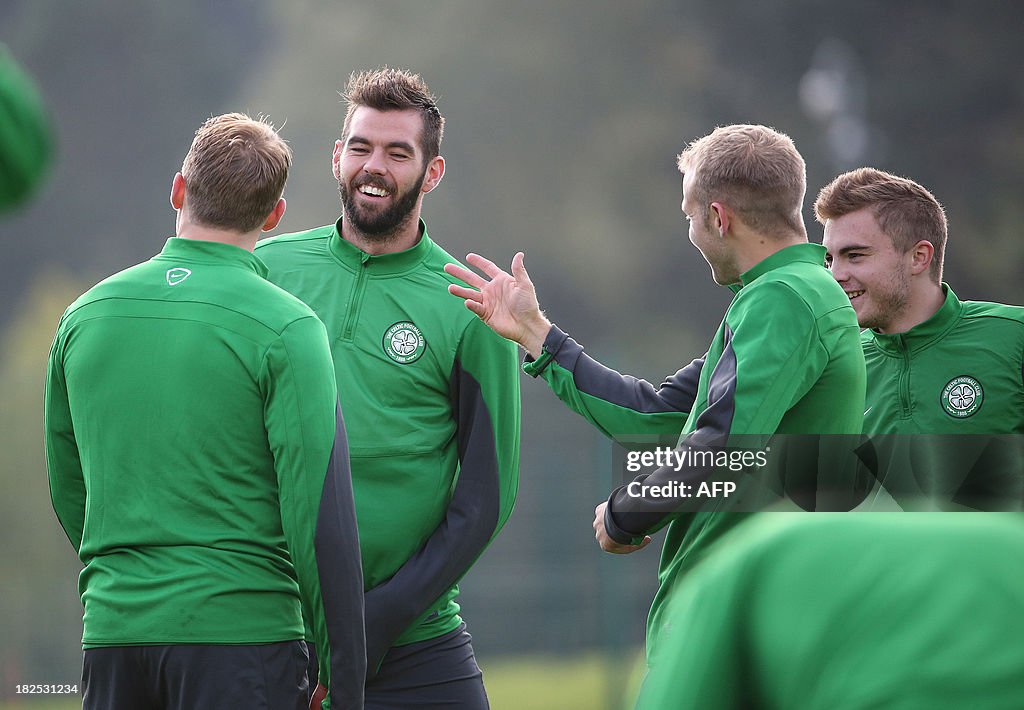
column 852, row 247
column 401, row 145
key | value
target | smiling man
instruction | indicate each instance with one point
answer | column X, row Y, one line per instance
column 936, row 365
column 431, row 395
column 785, row 359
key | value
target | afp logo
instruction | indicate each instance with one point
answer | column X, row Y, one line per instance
column 403, row 342
column 962, row 396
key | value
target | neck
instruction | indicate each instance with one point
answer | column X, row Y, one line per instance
column 204, row 233
column 758, row 247
column 404, row 236
column 924, row 302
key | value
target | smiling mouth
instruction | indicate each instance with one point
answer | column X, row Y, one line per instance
column 855, row 294
column 373, row 191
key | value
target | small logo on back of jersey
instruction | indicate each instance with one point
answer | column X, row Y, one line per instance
column 403, row 342
column 962, row 396
column 176, row 275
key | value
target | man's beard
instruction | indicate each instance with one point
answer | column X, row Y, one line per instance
column 889, row 301
column 384, row 224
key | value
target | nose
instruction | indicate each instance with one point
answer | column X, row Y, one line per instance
column 839, row 272
column 374, row 163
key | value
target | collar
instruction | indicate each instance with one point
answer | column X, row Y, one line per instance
column 395, row 263
column 923, row 334
column 203, row 252
column 793, row 254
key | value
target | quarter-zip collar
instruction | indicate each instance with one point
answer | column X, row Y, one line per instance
column 923, row 334
column 381, row 264
column 795, row 253
column 198, row 251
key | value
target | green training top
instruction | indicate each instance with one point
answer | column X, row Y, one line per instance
column 196, row 456
column 945, row 406
column 785, row 360
column 849, row 612
column 431, row 400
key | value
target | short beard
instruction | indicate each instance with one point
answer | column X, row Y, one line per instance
column 890, row 303
column 381, row 226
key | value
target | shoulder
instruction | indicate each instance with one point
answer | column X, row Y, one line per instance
column 282, row 245
column 119, row 284
column 773, row 295
column 998, row 312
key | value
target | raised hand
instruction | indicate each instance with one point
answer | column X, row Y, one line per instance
column 506, row 302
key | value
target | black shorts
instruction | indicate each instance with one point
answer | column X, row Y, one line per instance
column 428, row 675
column 196, row 677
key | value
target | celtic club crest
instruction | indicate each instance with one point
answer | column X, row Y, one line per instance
column 403, row 342
column 962, row 396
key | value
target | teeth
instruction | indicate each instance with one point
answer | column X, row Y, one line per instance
column 371, row 190
column 854, row 294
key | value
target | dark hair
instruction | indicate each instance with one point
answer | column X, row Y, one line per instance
column 387, row 89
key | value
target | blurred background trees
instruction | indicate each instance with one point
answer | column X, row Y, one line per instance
column 564, row 120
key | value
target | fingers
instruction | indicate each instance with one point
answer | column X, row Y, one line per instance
column 519, row 269
column 476, row 307
column 485, row 265
column 462, row 292
column 615, row 548
column 465, row 275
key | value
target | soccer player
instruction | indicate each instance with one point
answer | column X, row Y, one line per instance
column 26, row 144
column 849, row 611
column 936, row 365
column 198, row 462
column 786, row 358
column 431, row 395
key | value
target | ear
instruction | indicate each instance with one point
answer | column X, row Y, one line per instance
column 336, row 159
column 721, row 217
column 177, row 191
column 274, row 218
column 921, row 255
column 435, row 171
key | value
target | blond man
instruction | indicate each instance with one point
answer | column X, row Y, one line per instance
column 785, row 360
column 198, row 462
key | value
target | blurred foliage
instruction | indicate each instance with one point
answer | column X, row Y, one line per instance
column 564, row 120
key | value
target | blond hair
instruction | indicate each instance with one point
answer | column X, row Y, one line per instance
column 235, row 172
column 756, row 170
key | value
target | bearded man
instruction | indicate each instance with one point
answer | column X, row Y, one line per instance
column 430, row 394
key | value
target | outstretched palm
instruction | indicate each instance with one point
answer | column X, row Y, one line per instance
column 506, row 302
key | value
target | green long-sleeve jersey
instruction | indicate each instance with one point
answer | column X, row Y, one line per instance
column 945, row 406
column 431, row 400
column 959, row 372
column 197, row 462
column 849, row 612
column 785, row 360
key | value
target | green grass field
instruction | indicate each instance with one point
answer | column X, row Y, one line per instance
column 523, row 683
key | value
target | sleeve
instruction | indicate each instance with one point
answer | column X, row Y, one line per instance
column 307, row 438
column 622, row 407
column 63, row 462
column 485, row 404
column 771, row 357
column 25, row 135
